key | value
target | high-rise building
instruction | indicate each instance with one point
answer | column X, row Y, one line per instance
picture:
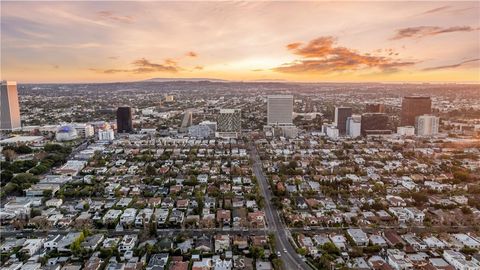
column 341, row 115
column 9, row 106
column 427, row 125
column 229, row 123
column 331, row 131
column 374, row 108
column 279, row 110
column 354, row 126
column 413, row 107
column 374, row 123
column 187, row 120
column 124, row 120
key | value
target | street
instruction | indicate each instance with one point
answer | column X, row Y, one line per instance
column 289, row 257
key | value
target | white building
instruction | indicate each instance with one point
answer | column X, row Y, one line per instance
column 106, row 135
column 331, row 131
column 128, row 243
column 128, row 216
column 406, row 131
column 84, row 130
column 279, row 110
column 467, row 240
column 458, row 260
column 354, row 126
column 398, row 259
column 427, row 125
column 359, row 237
column 205, row 129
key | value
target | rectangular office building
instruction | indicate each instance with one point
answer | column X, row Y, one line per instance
column 9, row 105
column 280, row 110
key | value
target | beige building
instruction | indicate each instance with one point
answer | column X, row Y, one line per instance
column 10, row 108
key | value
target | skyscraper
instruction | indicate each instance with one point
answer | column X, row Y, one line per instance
column 124, row 120
column 374, row 123
column 229, row 123
column 354, row 126
column 187, row 120
column 279, row 110
column 413, row 107
column 427, row 125
column 10, row 108
column 341, row 115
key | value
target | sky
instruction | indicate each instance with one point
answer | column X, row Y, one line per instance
column 91, row 41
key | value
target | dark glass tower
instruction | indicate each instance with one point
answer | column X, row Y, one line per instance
column 413, row 107
column 124, row 120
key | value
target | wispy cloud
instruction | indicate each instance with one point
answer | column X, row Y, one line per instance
column 143, row 65
column 110, row 16
column 424, row 31
column 322, row 56
column 463, row 63
column 435, row 10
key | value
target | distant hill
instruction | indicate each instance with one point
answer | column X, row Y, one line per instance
column 184, row 80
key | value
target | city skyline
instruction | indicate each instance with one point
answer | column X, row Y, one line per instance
column 131, row 41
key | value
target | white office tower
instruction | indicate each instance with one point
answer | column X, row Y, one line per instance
column 106, row 135
column 9, row 106
column 280, row 110
column 331, row 131
column 406, row 131
column 354, row 124
column 84, row 130
column 229, row 123
column 427, row 125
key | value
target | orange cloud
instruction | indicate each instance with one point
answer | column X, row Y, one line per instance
column 143, row 65
column 424, row 31
column 321, row 56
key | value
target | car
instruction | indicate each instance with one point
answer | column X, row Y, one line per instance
column 279, row 254
column 285, row 250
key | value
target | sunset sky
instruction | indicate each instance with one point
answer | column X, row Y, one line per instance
column 295, row 41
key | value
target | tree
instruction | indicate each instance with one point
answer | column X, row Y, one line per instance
column 47, row 193
column 466, row 210
column 150, row 170
column 9, row 154
column 330, row 248
column 23, row 178
column 23, row 149
column 6, row 176
column 257, row 252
